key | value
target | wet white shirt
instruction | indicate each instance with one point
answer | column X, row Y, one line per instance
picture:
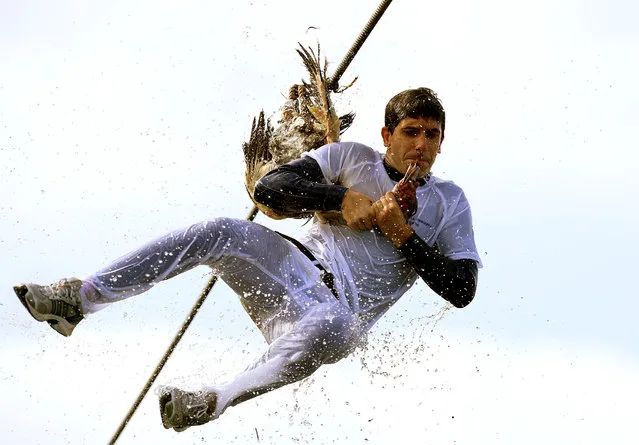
column 370, row 273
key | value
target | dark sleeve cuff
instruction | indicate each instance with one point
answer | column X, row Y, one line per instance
column 334, row 197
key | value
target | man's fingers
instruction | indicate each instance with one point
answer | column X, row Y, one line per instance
column 370, row 223
column 378, row 206
column 359, row 226
column 363, row 222
column 389, row 199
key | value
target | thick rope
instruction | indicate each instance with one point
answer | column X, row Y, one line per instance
column 251, row 216
column 334, row 81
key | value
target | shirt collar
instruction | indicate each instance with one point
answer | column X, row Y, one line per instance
column 397, row 176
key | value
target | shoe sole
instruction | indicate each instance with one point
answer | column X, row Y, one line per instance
column 30, row 302
column 166, row 409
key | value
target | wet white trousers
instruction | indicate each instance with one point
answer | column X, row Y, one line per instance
column 303, row 323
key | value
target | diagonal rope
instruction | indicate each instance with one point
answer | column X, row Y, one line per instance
column 348, row 58
column 251, row 216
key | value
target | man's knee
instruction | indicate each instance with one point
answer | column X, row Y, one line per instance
column 219, row 227
column 332, row 333
column 342, row 336
column 216, row 236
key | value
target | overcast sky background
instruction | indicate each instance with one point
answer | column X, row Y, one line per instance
column 120, row 121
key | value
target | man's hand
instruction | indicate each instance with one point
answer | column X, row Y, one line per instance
column 391, row 220
column 358, row 211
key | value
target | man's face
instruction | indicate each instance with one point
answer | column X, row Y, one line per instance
column 414, row 141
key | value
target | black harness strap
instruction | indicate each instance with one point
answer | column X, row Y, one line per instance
column 327, row 277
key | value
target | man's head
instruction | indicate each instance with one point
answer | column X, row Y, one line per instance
column 413, row 130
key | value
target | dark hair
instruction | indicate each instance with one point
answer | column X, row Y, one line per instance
column 415, row 103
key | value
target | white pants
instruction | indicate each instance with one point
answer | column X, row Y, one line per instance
column 281, row 290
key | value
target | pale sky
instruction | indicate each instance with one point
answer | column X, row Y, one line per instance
column 122, row 120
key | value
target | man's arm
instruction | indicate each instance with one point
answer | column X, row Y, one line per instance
column 453, row 280
column 299, row 186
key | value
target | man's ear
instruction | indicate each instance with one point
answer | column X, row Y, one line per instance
column 386, row 134
column 439, row 150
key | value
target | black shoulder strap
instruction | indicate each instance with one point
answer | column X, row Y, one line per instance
column 303, row 249
column 327, row 277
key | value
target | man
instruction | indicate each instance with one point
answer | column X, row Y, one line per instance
column 313, row 301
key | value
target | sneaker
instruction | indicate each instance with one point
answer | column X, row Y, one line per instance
column 182, row 409
column 57, row 304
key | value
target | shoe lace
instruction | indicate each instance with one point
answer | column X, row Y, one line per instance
column 64, row 310
column 65, row 301
column 65, row 291
column 196, row 407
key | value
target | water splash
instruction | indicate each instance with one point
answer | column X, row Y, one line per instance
column 388, row 353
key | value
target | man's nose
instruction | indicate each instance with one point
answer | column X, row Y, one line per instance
column 420, row 143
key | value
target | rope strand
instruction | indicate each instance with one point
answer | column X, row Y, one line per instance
column 334, row 81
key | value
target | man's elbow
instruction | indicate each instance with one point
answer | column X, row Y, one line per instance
column 463, row 287
column 462, row 301
column 261, row 193
column 268, row 191
column 462, row 296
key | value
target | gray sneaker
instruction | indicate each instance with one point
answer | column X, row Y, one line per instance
column 182, row 409
column 57, row 304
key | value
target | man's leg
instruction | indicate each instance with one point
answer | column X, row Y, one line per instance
column 267, row 272
column 303, row 322
column 326, row 333
column 225, row 244
column 63, row 304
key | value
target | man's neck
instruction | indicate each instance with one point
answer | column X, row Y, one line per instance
column 396, row 176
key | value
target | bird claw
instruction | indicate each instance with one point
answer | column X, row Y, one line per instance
column 412, row 172
column 338, row 89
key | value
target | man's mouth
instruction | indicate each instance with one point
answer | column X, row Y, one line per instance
column 417, row 161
